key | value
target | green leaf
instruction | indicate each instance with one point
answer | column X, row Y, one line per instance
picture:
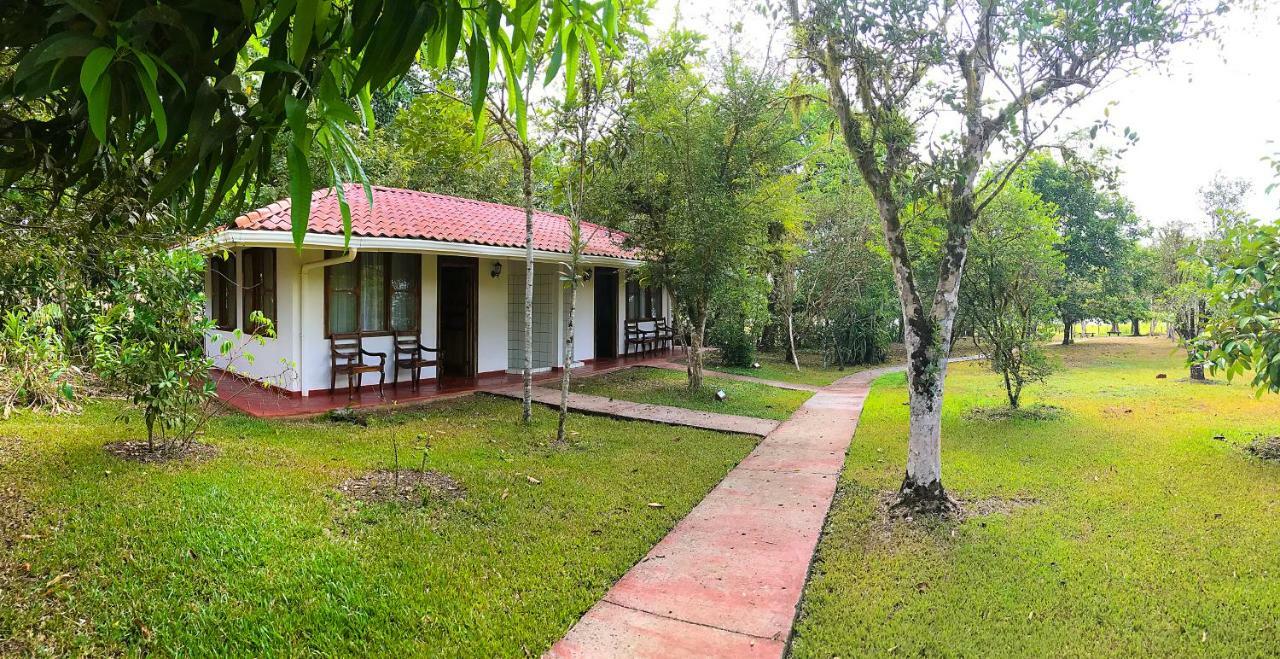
column 453, row 30
column 366, row 107
column 553, row 67
column 99, row 104
column 296, row 116
column 300, row 189
column 304, row 22
column 478, row 59
column 273, row 65
column 343, row 207
column 148, row 82
column 95, row 64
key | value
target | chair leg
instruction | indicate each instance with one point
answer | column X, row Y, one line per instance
column 353, row 379
column 333, row 379
column 382, row 378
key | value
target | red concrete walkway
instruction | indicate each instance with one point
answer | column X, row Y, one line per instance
column 727, row 579
column 621, row 409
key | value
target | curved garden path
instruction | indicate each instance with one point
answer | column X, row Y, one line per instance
column 725, row 582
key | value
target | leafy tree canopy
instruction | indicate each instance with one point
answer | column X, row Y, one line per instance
column 200, row 91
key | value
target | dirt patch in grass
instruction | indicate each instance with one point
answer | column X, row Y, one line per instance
column 888, row 517
column 10, row 446
column 1037, row 412
column 1266, row 448
column 410, row 487
column 141, row 452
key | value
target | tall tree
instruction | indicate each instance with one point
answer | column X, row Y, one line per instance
column 1098, row 229
column 693, row 181
column 991, row 72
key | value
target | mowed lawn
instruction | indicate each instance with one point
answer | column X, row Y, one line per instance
column 660, row 386
column 1137, row 532
column 774, row 366
column 254, row 552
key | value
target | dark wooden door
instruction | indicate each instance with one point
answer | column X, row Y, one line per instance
column 458, row 295
column 606, row 304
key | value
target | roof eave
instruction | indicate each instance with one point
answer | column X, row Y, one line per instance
column 262, row 238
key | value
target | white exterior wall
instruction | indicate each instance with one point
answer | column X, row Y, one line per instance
column 298, row 358
column 491, row 317
column 271, row 361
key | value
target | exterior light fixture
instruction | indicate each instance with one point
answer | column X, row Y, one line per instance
column 496, row 270
column 586, row 276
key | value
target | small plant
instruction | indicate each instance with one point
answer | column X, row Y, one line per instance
column 34, row 371
column 150, row 343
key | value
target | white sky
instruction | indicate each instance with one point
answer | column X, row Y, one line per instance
column 1212, row 109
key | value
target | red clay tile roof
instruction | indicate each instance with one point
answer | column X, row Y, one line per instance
column 401, row 213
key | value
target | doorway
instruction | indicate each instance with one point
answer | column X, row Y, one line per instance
column 606, row 304
column 458, row 281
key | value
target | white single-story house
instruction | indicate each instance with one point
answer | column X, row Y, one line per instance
column 450, row 269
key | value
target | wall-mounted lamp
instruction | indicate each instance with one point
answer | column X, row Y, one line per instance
column 496, row 270
column 586, row 276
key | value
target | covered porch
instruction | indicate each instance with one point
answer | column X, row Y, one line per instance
column 252, row 398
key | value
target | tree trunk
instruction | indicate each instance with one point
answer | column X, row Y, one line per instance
column 568, row 360
column 1137, row 331
column 791, row 341
column 526, row 165
column 1068, row 331
column 922, row 489
column 694, row 362
column 1197, row 372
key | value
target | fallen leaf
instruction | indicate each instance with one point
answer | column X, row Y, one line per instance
column 57, row 580
column 505, row 493
column 533, row 480
column 655, row 504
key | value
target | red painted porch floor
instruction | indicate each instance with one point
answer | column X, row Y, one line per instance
column 271, row 404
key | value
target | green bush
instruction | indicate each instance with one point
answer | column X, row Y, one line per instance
column 736, row 343
column 150, row 343
column 34, row 371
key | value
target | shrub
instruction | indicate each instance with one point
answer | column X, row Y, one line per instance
column 34, row 371
column 150, row 343
column 737, row 346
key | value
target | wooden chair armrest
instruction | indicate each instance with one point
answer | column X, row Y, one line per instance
column 380, row 355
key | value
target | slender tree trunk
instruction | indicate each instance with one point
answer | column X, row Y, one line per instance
column 568, row 360
column 791, row 340
column 1068, row 330
column 526, row 165
column 788, row 306
column 696, row 334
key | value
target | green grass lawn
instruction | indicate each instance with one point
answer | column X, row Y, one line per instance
column 254, row 553
column 661, row 386
column 774, row 366
column 1146, row 535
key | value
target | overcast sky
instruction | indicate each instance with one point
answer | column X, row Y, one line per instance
column 1213, row 108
